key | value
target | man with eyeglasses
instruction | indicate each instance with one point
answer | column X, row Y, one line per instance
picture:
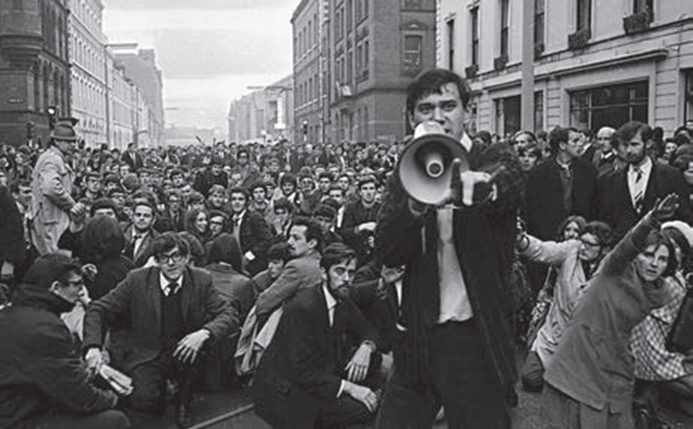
column 43, row 382
column 174, row 311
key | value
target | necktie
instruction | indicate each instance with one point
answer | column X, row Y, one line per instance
column 639, row 189
column 136, row 242
column 172, row 287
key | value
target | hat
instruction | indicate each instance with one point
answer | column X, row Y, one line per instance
column 64, row 131
column 683, row 227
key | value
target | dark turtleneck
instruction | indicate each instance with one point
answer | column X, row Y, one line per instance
column 34, row 296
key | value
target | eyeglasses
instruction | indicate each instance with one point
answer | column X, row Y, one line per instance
column 172, row 258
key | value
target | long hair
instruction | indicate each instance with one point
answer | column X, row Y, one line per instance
column 190, row 218
column 102, row 239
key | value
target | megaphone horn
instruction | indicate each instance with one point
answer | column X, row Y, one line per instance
column 425, row 167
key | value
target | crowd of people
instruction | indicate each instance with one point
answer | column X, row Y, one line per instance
column 309, row 273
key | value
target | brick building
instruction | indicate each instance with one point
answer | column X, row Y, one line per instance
column 376, row 49
column 34, row 68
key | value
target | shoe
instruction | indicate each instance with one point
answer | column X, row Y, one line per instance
column 183, row 416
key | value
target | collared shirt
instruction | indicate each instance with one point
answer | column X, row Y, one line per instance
column 237, row 219
column 639, row 186
column 454, row 300
column 137, row 239
column 331, row 303
column 164, row 284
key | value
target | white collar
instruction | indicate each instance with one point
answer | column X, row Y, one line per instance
column 164, row 282
column 466, row 142
column 329, row 299
column 645, row 166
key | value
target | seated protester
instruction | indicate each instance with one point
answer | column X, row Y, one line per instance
column 91, row 186
column 110, row 182
column 140, row 234
column 217, row 198
column 259, row 201
column 172, row 218
column 653, row 361
column 288, row 189
column 218, row 223
column 577, row 260
column 302, row 271
column 197, row 224
column 117, row 195
column 306, row 378
column 71, row 239
column 225, row 264
column 196, row 201
column 326, row 216
column 43, row 382
column 283, row 215
column 162, row 343
column 277, row 256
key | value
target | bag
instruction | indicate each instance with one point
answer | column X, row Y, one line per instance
column 541, row 307
column 680, row 338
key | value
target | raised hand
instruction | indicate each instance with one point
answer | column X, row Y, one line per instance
column 666, row 208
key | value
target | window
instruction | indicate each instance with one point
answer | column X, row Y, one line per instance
column 350, row 14
column 688, row 114
column 504, row 26
column 18, row 5
column 611, row 105
column 475, row 35
column 350, row 67
column 539, row 22
column 644, row 6
column 366, row 54
column 337, row 27
column 584, row 14
column 359, row 57
column 508, row 115
column 412, row 51
column 451, row 43
column 538, row 111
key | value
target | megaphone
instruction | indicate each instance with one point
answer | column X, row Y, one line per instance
column 427, row 164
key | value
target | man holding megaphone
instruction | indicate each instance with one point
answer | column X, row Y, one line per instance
column 449, row 217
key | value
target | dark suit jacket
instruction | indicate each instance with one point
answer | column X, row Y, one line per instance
column 484, row 237
column 134, row 161
column 299, row 372
column 144, row 251
column 138, row 299
column 255, row 236
column 544, row 209
column 615, row 204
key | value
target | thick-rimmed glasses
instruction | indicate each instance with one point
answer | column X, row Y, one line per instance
column 172, row 258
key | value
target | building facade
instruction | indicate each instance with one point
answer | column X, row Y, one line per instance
column 88, row 59
column 594, row 63
column 310, row 35
column 264, row 115
column 376, row 49
column 140, row 69
column 34, row 68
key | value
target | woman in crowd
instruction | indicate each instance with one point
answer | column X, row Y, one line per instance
column 654, row 362
column 574, row 260
column 589, row 381
column 197, row 223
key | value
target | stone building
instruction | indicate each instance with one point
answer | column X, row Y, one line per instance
column 594, row 63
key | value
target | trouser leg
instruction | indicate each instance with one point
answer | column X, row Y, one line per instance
column 110, row 419
column 463, row 377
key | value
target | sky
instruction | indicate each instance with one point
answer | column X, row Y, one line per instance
column 209, row 51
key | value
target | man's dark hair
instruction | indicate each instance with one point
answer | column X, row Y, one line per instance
column 176, row 172
column 629, row 130
column 336, row 253
column 255, row 185
column 102, row 239
column 90, row 174
column 285, row 204
column 225, row 248
column 559, row 135
column 279, row 251
column 313, row 229
column 366, row 179
column 238, row 190
column 325, row 174
column 50, row 268
column 103, row 203
column 169, row 241
column 288, row 178
column 432, row 82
